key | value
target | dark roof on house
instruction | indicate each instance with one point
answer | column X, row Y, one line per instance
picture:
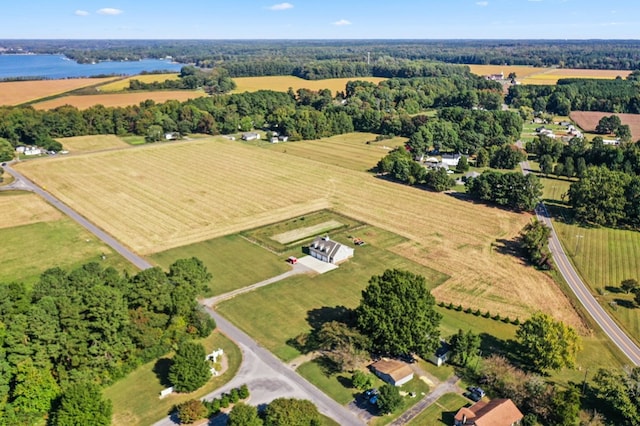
column 326, row 246
column 497, row 412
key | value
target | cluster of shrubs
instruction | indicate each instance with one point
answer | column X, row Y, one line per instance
column 195, row 409
column 478, row 313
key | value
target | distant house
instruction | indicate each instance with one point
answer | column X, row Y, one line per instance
column 20, row 149
column 392, row 371
column 611, row 142
column 172, row 136
column 250, row 136
column 32, row 151
column 283, row 138
column 498, row 412
column 274, row 139
column 566, row 123
column 495, row 76
column 441, row 355
column 451, row 160
column 326, row 250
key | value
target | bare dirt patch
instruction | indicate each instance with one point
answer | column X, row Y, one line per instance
column 588, row 120
column 19, row 92
column 309, row 231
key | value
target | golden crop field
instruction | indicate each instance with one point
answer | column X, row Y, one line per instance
column 520, row 70
column 19, row 92
column 23, row 208
column 119, row 99
column 538, row 75
column 123, row 84
column 91, row 143
column 350, row 151
column 156, row 197
column 284, row 82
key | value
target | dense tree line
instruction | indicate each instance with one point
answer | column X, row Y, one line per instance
column 595, row 54
column 400, row 165
column 467, row 131
column 385, row 108
column 213, row 82
column 578, row 95
column 513, row 189
column 90, row 326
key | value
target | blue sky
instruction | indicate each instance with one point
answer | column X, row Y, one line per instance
column 300, row 19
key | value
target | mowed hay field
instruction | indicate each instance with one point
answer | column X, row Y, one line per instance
column 120, row 85
column 91, row 143
column 153, row 198
column 119, row 99
column 21, row 208
column 520, row 70
column 19, row 92
column 284, row 82
column 32, row 234
column 350, row 151
column 588, row 120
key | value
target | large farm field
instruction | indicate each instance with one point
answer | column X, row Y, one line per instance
column 119, row 99
column 588, row 120
column 538, row 75
column 32, row 233
column 123, row 84
column 283, row 83
column 154, row 198
column 19, row 92
column 355, row 151
column 91, row 143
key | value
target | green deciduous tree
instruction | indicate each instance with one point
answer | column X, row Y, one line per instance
column 83, row 404
column 619, row 390
column 397, row 313
column 361, row 380
column 190, row 369
column 191, row 410
column 464, row 346
column 463, row 165
column 244, row 415
column 389, row 398
column 6, row 150
column 343, row 345
column 34, row 389
column 534, row 240
column 292, row 412
column 546, row 344
column 629, row 285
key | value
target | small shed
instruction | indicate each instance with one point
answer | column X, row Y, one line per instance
column 250, row 136
column 441, row 355
column 394, row 372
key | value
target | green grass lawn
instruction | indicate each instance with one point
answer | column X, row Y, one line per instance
column 135, row 398
column 134, row 140
column 416, row 386
column 233, row 261
column 264, row 235
column 336, row 385
column 441, row 412
column 279, row 312
column 27, row 251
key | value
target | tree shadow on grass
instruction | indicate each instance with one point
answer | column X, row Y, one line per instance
column 492, row 345
column 161, row 370
column 509, row 248
column 625, row 303
column 318, row 317
column 613, row 289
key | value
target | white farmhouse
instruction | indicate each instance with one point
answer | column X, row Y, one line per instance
column 326, row 250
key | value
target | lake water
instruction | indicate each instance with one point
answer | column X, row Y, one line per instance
column 56, row 66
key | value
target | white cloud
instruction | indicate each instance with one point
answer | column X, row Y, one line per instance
column 281, row 6
column 482, row 3
column 342, row 23
column 109, row 11
column 81, row 13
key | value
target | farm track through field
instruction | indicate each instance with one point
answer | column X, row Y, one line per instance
column 157, row 197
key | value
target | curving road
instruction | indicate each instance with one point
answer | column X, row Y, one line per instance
column 266, row 376
column 580, row 289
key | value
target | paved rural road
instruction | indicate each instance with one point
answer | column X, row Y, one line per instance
column 22, row 183
column 266, row 376
column 597, row 312
column 449, row 386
